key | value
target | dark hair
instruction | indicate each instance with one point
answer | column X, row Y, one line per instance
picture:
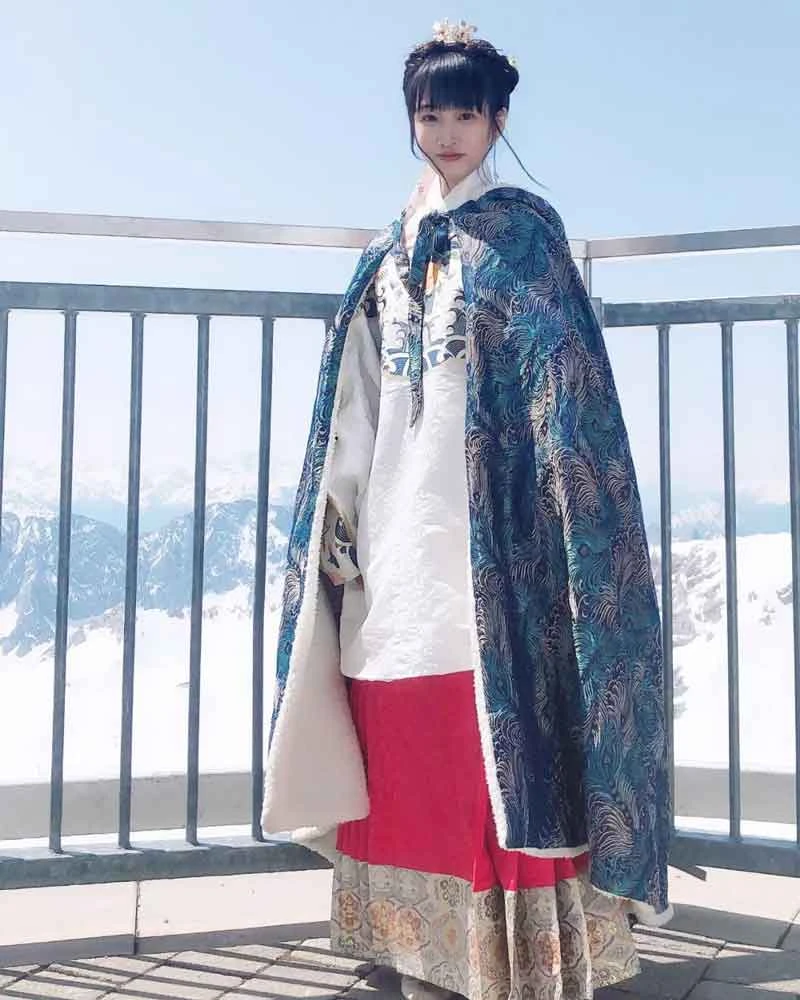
column 471, row 75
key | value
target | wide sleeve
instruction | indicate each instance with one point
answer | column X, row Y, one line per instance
column 354, row 443
column 614, row 608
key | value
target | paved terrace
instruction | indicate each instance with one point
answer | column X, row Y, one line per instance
column 735, row 937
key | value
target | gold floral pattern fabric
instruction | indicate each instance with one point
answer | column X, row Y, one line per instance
column 551, row 943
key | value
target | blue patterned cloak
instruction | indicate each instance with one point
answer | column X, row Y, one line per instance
column 568, row 658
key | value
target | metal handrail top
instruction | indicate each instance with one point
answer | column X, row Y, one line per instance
column 338, row 237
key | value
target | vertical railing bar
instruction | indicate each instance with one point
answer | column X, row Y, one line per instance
column 664, row 426
column 793, row 381
column 3, row 382
column 198, row 553
column 734, row 776
column 62, row 581
column 587, row 274
column 131, row 580
column 260, row 583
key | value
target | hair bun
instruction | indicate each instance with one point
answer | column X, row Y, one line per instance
column 508, row 73
column 498, row 63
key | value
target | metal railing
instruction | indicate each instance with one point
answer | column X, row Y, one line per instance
column 56, row 865
column 733, row 851
column 60, row 866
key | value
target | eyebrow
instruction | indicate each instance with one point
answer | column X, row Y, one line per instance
column 430, row 107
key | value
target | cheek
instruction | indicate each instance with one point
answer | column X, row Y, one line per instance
column 429, row 141
column 479, row 140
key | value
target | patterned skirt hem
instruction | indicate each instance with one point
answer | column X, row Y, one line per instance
column 405, row 966
column 548, row 943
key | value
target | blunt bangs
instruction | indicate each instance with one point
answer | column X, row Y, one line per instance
column 450, row 80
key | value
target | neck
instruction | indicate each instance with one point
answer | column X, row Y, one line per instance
column 445, row 186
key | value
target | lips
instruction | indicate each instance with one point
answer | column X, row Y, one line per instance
column 450, row 156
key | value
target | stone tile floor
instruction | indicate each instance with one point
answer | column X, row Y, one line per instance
column 735, row 936
column 677, row 965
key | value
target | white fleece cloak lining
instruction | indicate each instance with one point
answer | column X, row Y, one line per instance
column 314, row 777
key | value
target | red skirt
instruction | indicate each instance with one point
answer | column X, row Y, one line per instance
column 422, row 883
column 429, row 801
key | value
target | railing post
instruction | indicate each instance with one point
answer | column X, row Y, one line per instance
column 62, row 581
column 734, row 759
column 665, row 481
column 587, row 273
column 3, row 381
column 198, row 554
column 793, row 382
column 260, row 583
column 131, row 580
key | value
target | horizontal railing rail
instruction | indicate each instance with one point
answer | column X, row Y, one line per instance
column 165, row 301
column 341, row 237
column 68, row 224
column 716, row 241
column 765, row 309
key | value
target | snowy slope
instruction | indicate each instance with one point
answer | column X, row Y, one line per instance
column 94, row 686
column 27, row 618
column 94, row 664
column 766, row 685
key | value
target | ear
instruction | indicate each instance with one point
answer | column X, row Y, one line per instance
column 502, row 119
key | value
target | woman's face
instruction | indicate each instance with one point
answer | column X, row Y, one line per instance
column 456, row 140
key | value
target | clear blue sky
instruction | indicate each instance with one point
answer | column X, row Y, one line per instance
column 639, row 118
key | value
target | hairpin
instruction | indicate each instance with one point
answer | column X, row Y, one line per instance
column 444, row 31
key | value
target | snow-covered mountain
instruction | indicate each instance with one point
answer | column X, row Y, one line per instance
column 94, row 660
column 28, row 553
column 100, row 492
column 697, row 514
column 28, row 561
column 161, row 695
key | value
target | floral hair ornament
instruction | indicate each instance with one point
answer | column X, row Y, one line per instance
column 450, row 34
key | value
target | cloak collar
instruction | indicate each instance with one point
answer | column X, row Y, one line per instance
column 425, row 225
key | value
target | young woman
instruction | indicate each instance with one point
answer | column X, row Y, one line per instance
column 469, row 709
